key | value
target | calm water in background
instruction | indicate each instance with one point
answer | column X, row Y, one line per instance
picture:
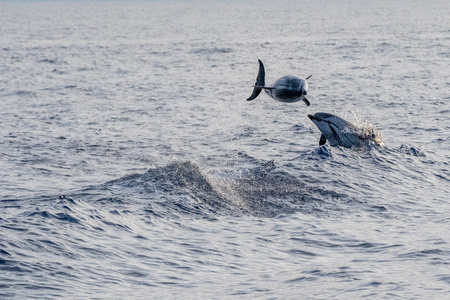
column 131, row 165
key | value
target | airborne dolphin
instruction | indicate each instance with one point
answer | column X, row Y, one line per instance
column 339, row 132
column 287, row 89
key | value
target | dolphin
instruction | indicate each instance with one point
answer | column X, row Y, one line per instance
column 339, row 132
column 287, row 89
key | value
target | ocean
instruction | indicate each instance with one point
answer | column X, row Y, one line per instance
column 132, row 166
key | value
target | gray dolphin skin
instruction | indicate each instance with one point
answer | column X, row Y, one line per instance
column 287, row 89
column 339, row 132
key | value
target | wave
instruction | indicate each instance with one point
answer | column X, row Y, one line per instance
column 213, row 50
column 262, row 191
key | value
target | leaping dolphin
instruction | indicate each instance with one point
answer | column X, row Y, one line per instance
column 287, row 89
column 339, row 132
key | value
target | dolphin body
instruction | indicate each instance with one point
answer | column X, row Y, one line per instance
column 339, row 132
column 287, row 89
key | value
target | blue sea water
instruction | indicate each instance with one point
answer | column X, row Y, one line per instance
column 131, row 165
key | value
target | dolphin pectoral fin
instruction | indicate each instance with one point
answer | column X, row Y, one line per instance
column 260, row 82
column 322, row 140
column 306, row 101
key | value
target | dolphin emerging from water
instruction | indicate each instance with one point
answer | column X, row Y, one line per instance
column 287, row 89
column 339, row 132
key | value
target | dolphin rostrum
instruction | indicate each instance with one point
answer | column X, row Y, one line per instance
column 339, row 132
column 286, row 89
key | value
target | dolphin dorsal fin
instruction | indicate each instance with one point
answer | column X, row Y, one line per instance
column 322, row 140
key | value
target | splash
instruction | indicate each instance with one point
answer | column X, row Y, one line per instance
column 366, row 129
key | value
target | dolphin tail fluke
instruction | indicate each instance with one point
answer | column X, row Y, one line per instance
column 260, row 82
column 256, row 91
column 322, row 140
column 306, row 101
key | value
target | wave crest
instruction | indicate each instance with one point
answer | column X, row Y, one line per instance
column 262, row 191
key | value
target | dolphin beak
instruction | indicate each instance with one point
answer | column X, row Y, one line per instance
column 313, row 118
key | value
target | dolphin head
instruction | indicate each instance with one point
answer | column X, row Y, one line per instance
column 336, row 130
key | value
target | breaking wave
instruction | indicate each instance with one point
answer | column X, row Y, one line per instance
column 262, row 191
